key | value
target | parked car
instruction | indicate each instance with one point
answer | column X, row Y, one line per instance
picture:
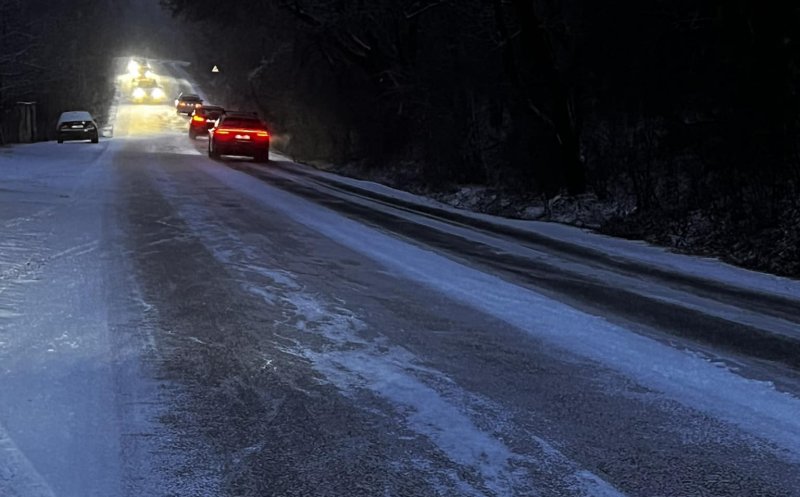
column 203, row 119
column 239, row 134
column 77, row 125
column 186, row 103
column 148, row 91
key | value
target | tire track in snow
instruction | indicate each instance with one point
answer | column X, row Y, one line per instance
column 427, row 402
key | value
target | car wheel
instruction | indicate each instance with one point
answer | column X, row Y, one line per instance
column 262, row 158
column 60, row 141
column 95, row 139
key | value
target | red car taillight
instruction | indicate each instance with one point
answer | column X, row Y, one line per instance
column 259, row 133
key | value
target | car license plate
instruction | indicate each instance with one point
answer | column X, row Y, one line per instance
column 242, row 137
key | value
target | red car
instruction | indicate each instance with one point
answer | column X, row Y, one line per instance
column 239, row 134
column 203, row 119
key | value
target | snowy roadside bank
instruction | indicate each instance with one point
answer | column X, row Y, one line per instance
column 615, row 249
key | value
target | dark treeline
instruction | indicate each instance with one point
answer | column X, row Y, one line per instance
column 687, row 110
column 57, row 55
column 60, row 55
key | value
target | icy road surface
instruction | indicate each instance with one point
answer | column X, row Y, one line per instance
column 176, row 326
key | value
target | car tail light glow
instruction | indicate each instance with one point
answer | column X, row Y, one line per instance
column 259, row 132
column 198, row 118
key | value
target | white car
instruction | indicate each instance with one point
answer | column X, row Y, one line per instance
column 77, row 125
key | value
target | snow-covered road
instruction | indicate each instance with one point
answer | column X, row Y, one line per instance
column 176, row 326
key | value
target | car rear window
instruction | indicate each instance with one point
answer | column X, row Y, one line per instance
column 190, row 99
column 242, row 123
column 74, row 116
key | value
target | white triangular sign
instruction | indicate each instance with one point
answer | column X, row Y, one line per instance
column 215, row 69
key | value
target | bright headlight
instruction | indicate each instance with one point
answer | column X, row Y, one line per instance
column 139, row 93
column 148, row 74
column 158, row 93
column 133, row 67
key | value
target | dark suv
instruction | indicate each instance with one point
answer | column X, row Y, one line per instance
column 186, row 103
column 239, row 134
column 203, row 119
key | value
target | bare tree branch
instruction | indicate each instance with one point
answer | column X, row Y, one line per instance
column 422, row 10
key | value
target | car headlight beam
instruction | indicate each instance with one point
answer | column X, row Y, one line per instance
column 133, row 67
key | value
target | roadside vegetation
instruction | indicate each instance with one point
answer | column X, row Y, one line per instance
column 674, row 122
column 58, row 56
